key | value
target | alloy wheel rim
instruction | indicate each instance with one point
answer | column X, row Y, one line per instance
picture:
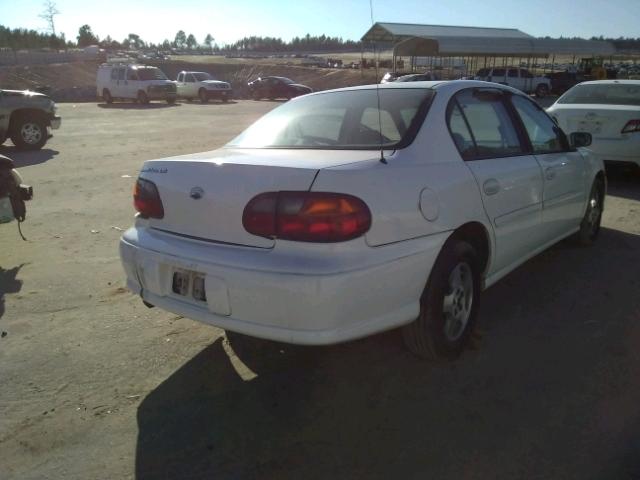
column 31, row 133
column 458, row 301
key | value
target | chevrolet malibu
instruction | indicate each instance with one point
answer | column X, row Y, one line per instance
column 610, row 111
column 345, row 213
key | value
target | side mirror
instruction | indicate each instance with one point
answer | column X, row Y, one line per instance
column 580, row 139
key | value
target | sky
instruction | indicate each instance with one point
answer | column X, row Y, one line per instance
column 155, row 20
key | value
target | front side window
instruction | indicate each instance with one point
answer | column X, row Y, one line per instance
column 181, row 77
column 544, row 134
column 121, row 74
column 513, row 73
column 498, row 72
column 460, row 132
column 151, row 73
column 341, row 120
column 114, row 74
column 487, row 117
column 202, row 76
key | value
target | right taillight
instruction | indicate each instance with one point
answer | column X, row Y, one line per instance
column 321, row 217
column 146, row 199
column 631, row 126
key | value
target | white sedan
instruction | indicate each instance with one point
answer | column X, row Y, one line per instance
column 610, row 111
column 330, row 219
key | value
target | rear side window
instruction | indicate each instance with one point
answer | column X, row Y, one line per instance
column 488, row 123
column 513, row 73
column 460, row 133
column 544, row 134
column 498, row 72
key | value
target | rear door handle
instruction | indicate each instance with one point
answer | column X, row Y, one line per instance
column 491, row 186
column 550, row 173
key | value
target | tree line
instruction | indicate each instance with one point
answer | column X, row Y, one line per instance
column 22, row 38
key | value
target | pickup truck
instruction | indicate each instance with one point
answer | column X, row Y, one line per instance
column 27, row 118
column 519, row 78
column 201, row 85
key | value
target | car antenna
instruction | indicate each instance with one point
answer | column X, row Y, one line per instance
column 377, row 60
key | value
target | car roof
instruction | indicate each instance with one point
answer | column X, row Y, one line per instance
column 445, row 85
column 611, row 82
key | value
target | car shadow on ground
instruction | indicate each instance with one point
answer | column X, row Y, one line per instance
column 137, row 106
column 550, row 390
column 27, row 158
column 9, row 283
column 623, row 182
column 210, row 102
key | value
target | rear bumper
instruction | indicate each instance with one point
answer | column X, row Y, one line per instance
column 285, row 296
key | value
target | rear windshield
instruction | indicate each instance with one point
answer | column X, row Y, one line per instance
column 341, row 120
column 151, row 73
column 606, row 94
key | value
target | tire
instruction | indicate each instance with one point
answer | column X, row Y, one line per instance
column 590, row 225
column 142, row 98
column 542, row 90
column 106, row 96
column 29, row 133
column 171, row 100
column 448, row 306
column 202, row 95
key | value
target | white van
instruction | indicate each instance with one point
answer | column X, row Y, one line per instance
column 134, row 82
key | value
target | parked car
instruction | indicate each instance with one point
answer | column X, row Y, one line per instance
column 141, row 83
column 519, row 78
column 203, row 86
column 389, row 77
column 353, row 219
column 417, row 77
column 276, row 87
column 610, row 111
column 27, row 118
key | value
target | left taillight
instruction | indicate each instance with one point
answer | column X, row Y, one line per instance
column 631, row 126
column 321, row 217
column 146, row 199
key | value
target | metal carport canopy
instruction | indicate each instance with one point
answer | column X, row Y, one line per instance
column 498, row 47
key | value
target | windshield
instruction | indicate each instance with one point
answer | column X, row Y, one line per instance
column 605, row 94
column 341, row 120
column 200, row 76
column 151, row 73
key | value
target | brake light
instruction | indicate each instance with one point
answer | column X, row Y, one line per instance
column 631, row 126
column 320, row 217
column 146, row 199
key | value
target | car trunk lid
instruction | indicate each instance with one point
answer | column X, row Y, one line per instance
column 204, row 194
column 601, row 121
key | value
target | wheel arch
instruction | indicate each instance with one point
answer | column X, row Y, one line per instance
column 478, row 236
column 27, row 112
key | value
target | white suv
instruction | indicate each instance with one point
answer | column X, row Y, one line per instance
column 203, row 86
column 134, row 82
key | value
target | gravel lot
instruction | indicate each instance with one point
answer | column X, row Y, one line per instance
column 93, row 385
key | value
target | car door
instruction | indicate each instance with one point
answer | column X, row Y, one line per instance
column 132, row 83
column 563, row 167
column 191, row 87
column 180, row 85
column 119, row 88
column 508, row 177
column 514, row 79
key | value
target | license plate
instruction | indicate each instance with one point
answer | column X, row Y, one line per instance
column 189, row 284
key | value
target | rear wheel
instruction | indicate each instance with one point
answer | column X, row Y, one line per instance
column 142, row 98
column 448, row 306
column 590, row 225
column 202, row 95
column 106, row 96
column 28, row 133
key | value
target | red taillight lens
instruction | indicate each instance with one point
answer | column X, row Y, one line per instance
column 631, row 126
column 307, row 216
column 146, row 199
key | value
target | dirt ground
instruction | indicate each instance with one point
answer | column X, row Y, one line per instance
column 93, row 385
